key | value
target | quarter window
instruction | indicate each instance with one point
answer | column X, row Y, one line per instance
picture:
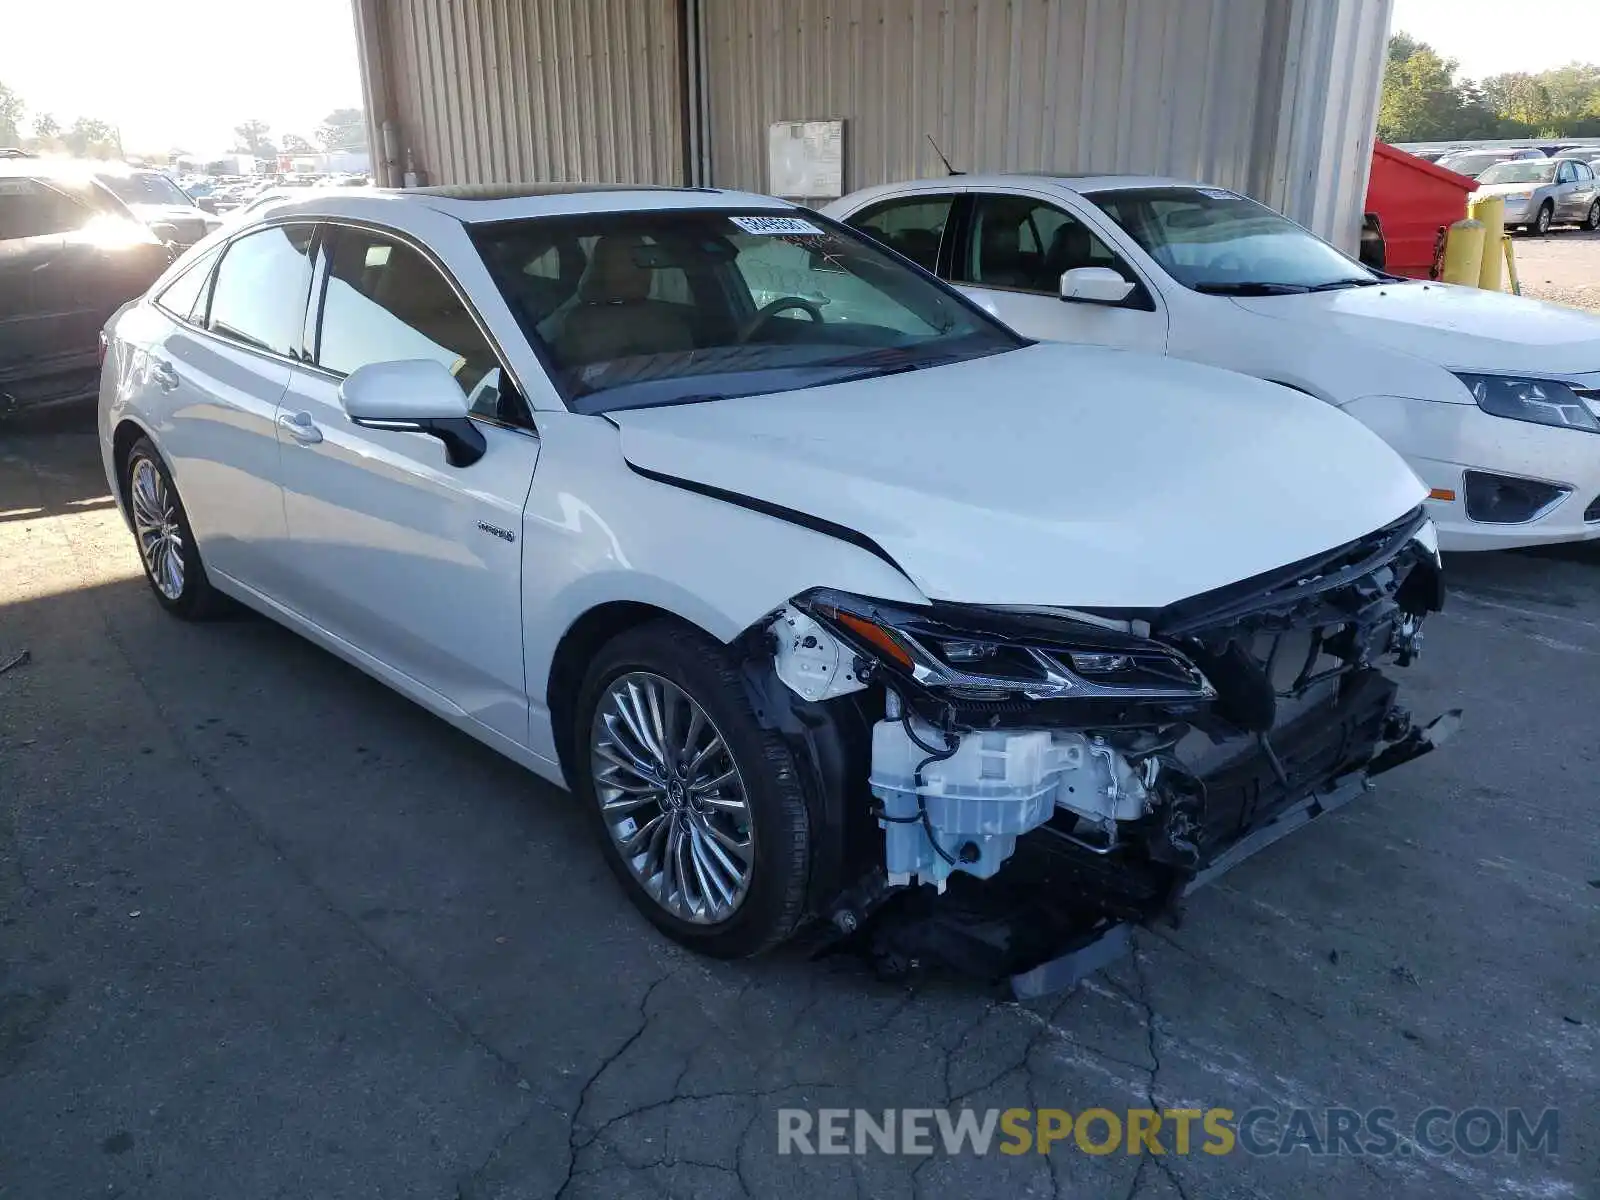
column 260, row 294
column 1019, row 242
column 385, row 302
column 914, row 226
column 184, row 297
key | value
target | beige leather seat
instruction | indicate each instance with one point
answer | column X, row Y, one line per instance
column 615, row 317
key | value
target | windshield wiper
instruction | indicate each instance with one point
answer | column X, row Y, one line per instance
column 1251, row 288
column 1336, row 285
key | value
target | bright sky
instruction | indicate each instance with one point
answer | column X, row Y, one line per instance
column 1489, row 37
column 182, row 73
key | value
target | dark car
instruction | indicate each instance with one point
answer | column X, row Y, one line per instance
column 71, row 254
column 159, row 203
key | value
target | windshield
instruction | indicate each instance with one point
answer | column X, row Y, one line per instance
column 1530, row 171
column 1471, row 164
column 145, row 187
column 1212, row 240
column 640, row 309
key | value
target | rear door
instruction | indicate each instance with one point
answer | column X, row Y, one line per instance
column 223, row 368
column 394, row 551
column 1584, row 190
column 1010, row 258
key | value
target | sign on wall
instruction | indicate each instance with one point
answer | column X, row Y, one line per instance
column 805, row 159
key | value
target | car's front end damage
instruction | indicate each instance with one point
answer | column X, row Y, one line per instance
column 1012, row 788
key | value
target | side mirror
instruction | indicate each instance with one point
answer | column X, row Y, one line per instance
column 414, row 396
column 207, row 204
column 167, row 233
column 1094, row 285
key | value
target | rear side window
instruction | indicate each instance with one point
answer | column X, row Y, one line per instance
column 912, row 225
column 259, row 297
column 30, row 208
column 185, row 296
column 1584, row 172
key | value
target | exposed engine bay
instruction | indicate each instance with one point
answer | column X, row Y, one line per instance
column 1063, row 773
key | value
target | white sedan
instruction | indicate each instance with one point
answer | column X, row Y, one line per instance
column 813, row 581
column 1493, row 399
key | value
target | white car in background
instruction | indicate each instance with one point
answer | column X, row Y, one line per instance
column 1493, row 399
column 813, row 581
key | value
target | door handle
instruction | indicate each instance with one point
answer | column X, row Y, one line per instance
column 163, row 376
column 300, row 427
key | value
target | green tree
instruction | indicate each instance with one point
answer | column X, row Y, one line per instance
column 11, row 110
column 46, row 128
column 344, row 129
column 1421, row 99
column 91, row 138
column 1520, row 97
column 293, row 143
column 253, row 139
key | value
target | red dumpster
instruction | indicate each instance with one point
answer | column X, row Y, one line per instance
column 1413, row 200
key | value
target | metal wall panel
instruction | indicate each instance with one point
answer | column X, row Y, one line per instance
column 1272, row 97
column 494, row 90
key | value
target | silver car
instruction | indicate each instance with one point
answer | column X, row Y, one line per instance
column 1539, row 193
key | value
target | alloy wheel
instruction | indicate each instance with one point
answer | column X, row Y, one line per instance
column 1544, row 219
column 155, row 524
column 672, row 798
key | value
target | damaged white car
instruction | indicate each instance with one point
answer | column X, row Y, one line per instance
column 818, row 586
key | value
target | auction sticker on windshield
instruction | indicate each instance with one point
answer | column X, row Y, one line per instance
column 776, row 226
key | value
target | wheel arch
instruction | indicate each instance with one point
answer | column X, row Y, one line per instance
column 576, row 649
column 127, row 432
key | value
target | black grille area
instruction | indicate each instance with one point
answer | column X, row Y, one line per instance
column 1507, row 499
column 1592, row 513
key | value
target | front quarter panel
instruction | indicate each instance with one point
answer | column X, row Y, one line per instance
column 595, row 532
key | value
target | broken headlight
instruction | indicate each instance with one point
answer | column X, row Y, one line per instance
column 990, row 654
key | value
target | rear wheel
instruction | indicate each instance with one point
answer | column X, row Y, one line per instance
column 167, row 548
column 699, row 810
column 1591, row 221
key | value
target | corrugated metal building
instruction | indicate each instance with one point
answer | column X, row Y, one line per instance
column 1276, row 98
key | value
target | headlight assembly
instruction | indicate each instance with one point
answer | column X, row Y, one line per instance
column 984, row 654
column 1541, row 401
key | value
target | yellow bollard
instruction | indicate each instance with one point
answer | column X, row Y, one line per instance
column 1463, row 253
column 1490, row 212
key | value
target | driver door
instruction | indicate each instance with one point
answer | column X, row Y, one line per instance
column 392, row 550
column 1011, row 259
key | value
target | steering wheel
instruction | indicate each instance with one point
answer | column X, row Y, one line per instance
column 767, row 311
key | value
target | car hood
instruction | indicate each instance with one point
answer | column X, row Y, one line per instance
column 1460, row 328
column 177, row 213
column 1055, row 474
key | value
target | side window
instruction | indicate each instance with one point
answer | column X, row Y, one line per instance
column 912, row 225
column 29, row 208
column 1585, row 173
column 185, row 296
column 259, row 297
column 385, row 302
column 1020, row 242
column 1565, row 174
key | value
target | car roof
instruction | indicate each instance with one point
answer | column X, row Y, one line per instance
column 474, row 203
column 1066, row 182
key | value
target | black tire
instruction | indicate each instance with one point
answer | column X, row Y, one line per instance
column 1591, row 222
column 774, row 901
column 196, row 600
column 1540, row 225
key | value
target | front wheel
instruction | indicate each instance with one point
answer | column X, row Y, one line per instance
column 167, row 548
column 1591, row 222
column 1540, row 225
column 699, row 810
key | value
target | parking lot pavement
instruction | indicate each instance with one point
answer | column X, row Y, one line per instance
column 1563, row 267
column 269, row 929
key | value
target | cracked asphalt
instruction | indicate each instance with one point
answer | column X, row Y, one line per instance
column 269, row 930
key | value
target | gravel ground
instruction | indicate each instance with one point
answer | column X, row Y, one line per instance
column 267, row 929
column 1563, row 267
